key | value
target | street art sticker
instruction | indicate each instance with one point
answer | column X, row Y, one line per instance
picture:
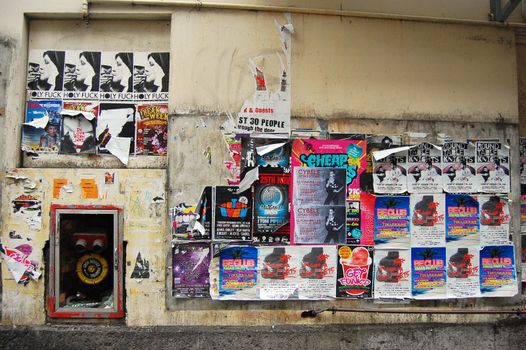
column 141, row 268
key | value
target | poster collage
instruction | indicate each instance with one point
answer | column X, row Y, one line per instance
column 86, row 102
column 352, row 216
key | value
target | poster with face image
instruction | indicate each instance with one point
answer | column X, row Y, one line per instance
column 458, row 171
column 151, row 74
column 42, row 139
column 45, row 74
column 116, row 121
column 319, row 186
column 493, row 167
column 319, row 225
column 81, row 75
column 498, row 277
column 424, row 169
column 355, row 272
column 463, row 271
column 116, row 76
column 152, row 129
column 427, row 220
column 77, row 135
column 494, row 220
column 392, row 273
column 389, row 172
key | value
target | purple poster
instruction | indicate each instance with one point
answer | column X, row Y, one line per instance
column 190, row 262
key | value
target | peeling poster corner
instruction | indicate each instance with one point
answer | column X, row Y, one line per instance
column 19, row 265
column 29, row 209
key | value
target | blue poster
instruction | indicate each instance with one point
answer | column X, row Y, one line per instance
column 42, row 139
column 462, row 218
column 238, row 273
column 497, row 276
column 428, row 271
column 391, row 222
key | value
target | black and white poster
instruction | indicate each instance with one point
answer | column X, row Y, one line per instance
column 319, row 186
column 81, row 75
column 390, row 174
column 116, row 76
column 45, row 74
column 493, row 167
column 424, row 169
column 458, row 171
column 151, row 74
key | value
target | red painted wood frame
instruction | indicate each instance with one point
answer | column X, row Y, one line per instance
column 53, row 309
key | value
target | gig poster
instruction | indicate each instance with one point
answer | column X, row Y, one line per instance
column 319, row 186
column 238, row 276
column 498, row 277
column 317, row 271
column 279, row 273
column 494, row 220
column 522, row 154
column 355, row 272
column 493, row 167
column 376, row 143
column 390, row 172
column 392, row 222
column 424, row 169
column 232, row 214
column 190, row 262
column 77, row 135
column 428, row 220
column 152, row 129
column 346, row 154
column 459, row 163
column 428, row 266
column 462, row 218
column 360, row 220
column 392, row 273
column 44, row 139
column 271, row 155
column 319, row 225
column 271, row 209
column 463, row 271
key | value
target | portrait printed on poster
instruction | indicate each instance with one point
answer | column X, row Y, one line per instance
column 151, row 74
column 81, row 75
column 45, row 74
column 458, row 172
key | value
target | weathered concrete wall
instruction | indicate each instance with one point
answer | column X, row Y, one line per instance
column 144, row 229
column 521, row 76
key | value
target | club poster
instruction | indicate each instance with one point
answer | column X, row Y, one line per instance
column 494, row 220
column 271, row 155
column 319, row 186
column 522, row 153
column 523, row 208
column 346, row 154
column 428, row 220
column 238, row 266
column 392, row 222
column 462, row 218
column 376, row 143
column 428, row 266
column 77, row 135
column 232, row 214
column 458, row 172
column 493, row 167
column 46, row 139
column 424, row 168
column 279, row 272
column 319, row 225
column 152, row 129
column 498, row 277
column 190, row 263
column 360, row 220
column 523, row 256
column 463, row 271
column 271, row 209
column 355, row 272
column 317, row 271
column 392, row 273
column 389, row 173
column 203, row 223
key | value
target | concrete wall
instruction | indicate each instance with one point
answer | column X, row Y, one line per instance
column 349, row 74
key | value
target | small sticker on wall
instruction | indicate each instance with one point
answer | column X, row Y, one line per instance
column 142, row 267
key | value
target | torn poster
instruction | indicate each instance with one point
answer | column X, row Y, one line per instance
column 81, row 75
column 523, row 256
column 391, row 222
column 360, row 220
column 458, row 172
column 428, row 220
column 233, row 165
column 319, row 186
column 424, row 169
column 493, row 164
column 116, row 121
column 523, row 209
column 346, row 154
column 202, row 228
column 182, row 216
column 40, row 132
column 428, row 267
column 462, row 218
column 151, row 74
column 271, row 209
column 89, row 110
column 317, row 272
column 45, row 74
column 77, row 135
column 238, row 276
column 319, row 224
column 269, row 111
column 141, row 268
column 494, row 220
column 376, row 143
column 463, row 272
column 152, row 129
column 497, row 271
column 392, row 273
column 190, row 262
column 279, row 272
column 29, row 209
column 57, row 186
column 19, row 265
column 355, row 272
column 390, row 175
column 89, row 188
column 232, row 214
column 271, row 154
